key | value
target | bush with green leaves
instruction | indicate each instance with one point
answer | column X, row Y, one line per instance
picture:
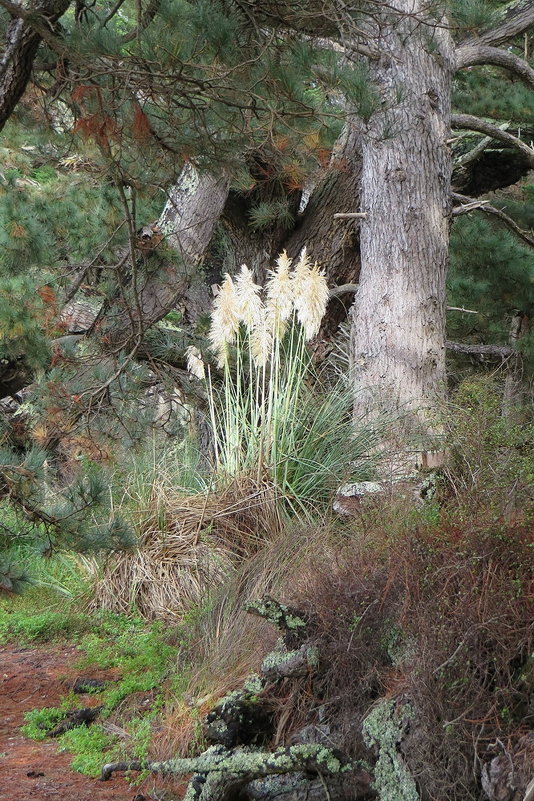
column 78, row 516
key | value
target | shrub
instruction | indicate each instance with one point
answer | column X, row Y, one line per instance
column 437, row 615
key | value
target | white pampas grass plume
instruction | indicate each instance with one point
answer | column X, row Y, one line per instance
column 224, row 319
column 195, row 365
column 261, row 340
column 279, row 290
column 250, row 305
column 311, row 295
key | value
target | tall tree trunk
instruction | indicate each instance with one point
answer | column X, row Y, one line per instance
column 398, row 319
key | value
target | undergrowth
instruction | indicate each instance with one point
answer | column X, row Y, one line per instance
column 437, row 614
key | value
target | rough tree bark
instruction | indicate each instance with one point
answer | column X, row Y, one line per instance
column 398, row 319
column 23, row 37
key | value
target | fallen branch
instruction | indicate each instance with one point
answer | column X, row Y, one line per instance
column 219, row 774
column 477, row 124
column 77, row 717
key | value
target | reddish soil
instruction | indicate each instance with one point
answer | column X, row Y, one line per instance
column 32, row 770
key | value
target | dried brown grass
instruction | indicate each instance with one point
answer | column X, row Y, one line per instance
column 188, row 547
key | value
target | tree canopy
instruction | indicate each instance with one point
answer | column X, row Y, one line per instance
column 150, row 148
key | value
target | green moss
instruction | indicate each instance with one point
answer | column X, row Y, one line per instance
column 383, row 729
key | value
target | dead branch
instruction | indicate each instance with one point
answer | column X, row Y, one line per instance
column 476, row 124
column 219, row 773
column 491, row 351
column 468, row 204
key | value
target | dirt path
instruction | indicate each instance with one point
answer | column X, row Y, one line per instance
column 34, row 771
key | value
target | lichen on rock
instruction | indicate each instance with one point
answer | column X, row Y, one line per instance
column 383, row 730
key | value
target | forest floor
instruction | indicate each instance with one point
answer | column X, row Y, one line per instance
column 36, row 677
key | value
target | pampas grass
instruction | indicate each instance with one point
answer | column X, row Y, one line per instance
column 261, row 391
column 271, row 416
column 189, row 546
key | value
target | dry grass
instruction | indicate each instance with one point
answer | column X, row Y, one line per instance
column 189, row 546
column 227, row 645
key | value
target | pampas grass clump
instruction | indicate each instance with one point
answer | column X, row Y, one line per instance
column 187, row 549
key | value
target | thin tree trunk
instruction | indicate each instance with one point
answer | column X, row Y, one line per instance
column 513, row 382
column 398, row 321
column 187, row 223
column 334, row 243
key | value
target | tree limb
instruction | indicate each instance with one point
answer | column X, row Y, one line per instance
column 220, row 773
column 476, row 124
column 495, row 351
column 518, row 17
column 471, row 54
column 484, row 206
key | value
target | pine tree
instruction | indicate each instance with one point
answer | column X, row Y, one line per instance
column 260, row 122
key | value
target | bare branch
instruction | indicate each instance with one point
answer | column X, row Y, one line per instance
column 484, row 206
column 500, row 351
column 351, row 215
column 465, row 208
column 471, row 54
column 343, row 289
column 476, row 124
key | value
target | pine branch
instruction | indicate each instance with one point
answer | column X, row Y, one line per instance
column 477, row 124
column 469, row 204
column 471, row 54
column 517, row 18
column 146, row 18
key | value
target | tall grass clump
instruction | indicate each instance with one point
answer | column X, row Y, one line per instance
column 270, row 413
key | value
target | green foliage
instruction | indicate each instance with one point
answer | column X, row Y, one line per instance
column 41, row 721
column 42, row 627
column 486, row 92
column 494, row 276
column 77, row 516
column 13, row 577
column 492, row 465
column 140, row 652
column 265, row 215
column 473, row 15
column 89, row 746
